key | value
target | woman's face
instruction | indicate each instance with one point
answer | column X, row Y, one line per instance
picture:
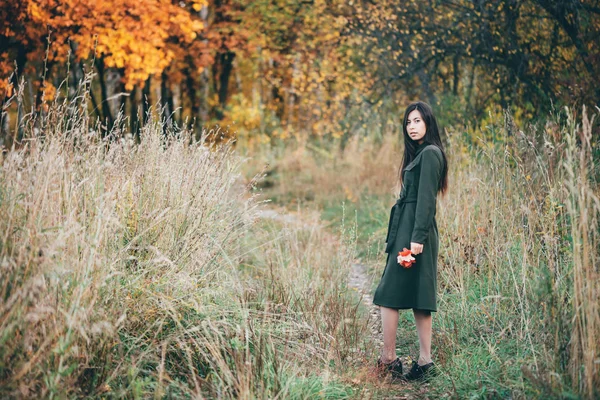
column 415, row 126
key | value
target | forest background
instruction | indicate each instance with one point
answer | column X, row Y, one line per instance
column 278, row 69
column 136, row 263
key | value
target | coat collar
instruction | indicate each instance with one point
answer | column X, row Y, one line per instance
column 421, row 147
column 416, row 157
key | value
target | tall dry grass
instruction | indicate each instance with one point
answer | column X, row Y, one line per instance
column 518, row 270
column 583, row 205
column 142, row 270
column 513, row 236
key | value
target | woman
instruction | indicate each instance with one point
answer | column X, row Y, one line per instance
column 412, row 226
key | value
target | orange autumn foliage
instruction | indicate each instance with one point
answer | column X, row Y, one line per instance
column 140, row 37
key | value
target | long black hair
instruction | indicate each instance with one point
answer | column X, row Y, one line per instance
column 432, row 136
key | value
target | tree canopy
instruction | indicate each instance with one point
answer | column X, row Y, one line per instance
column 274, row 67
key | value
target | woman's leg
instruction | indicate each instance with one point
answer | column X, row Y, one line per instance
column 423, row 321
column 389, row 322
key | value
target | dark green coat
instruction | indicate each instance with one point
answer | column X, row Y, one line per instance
column 412, row 219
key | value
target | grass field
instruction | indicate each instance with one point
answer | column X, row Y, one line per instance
column 145, row 270
column 519, row 258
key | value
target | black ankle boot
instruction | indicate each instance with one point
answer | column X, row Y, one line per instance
column 395, row 367
column 420, row 372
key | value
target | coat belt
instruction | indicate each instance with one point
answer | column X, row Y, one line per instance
column 394, row 222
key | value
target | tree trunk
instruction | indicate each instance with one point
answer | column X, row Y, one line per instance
column 134, row 118
column 205, row 93
column 165, row 103
column 469, row 94
column 190, row 85
column 79, row 78
column 21, row 60
column 456, row 72
column 425, row 84
column 106, row 113
column 76, row 73
column 226, row 64
column 146, row 101
column 123, row 102
column 177, row 97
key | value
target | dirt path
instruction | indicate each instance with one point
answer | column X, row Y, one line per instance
column 358, row 278
column 360, row 281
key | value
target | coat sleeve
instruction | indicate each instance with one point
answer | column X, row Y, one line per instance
column 429, row 178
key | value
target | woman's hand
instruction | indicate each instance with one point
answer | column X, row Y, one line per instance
column 416, row 248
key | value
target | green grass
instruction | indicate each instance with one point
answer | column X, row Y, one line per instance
column 371, row 215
